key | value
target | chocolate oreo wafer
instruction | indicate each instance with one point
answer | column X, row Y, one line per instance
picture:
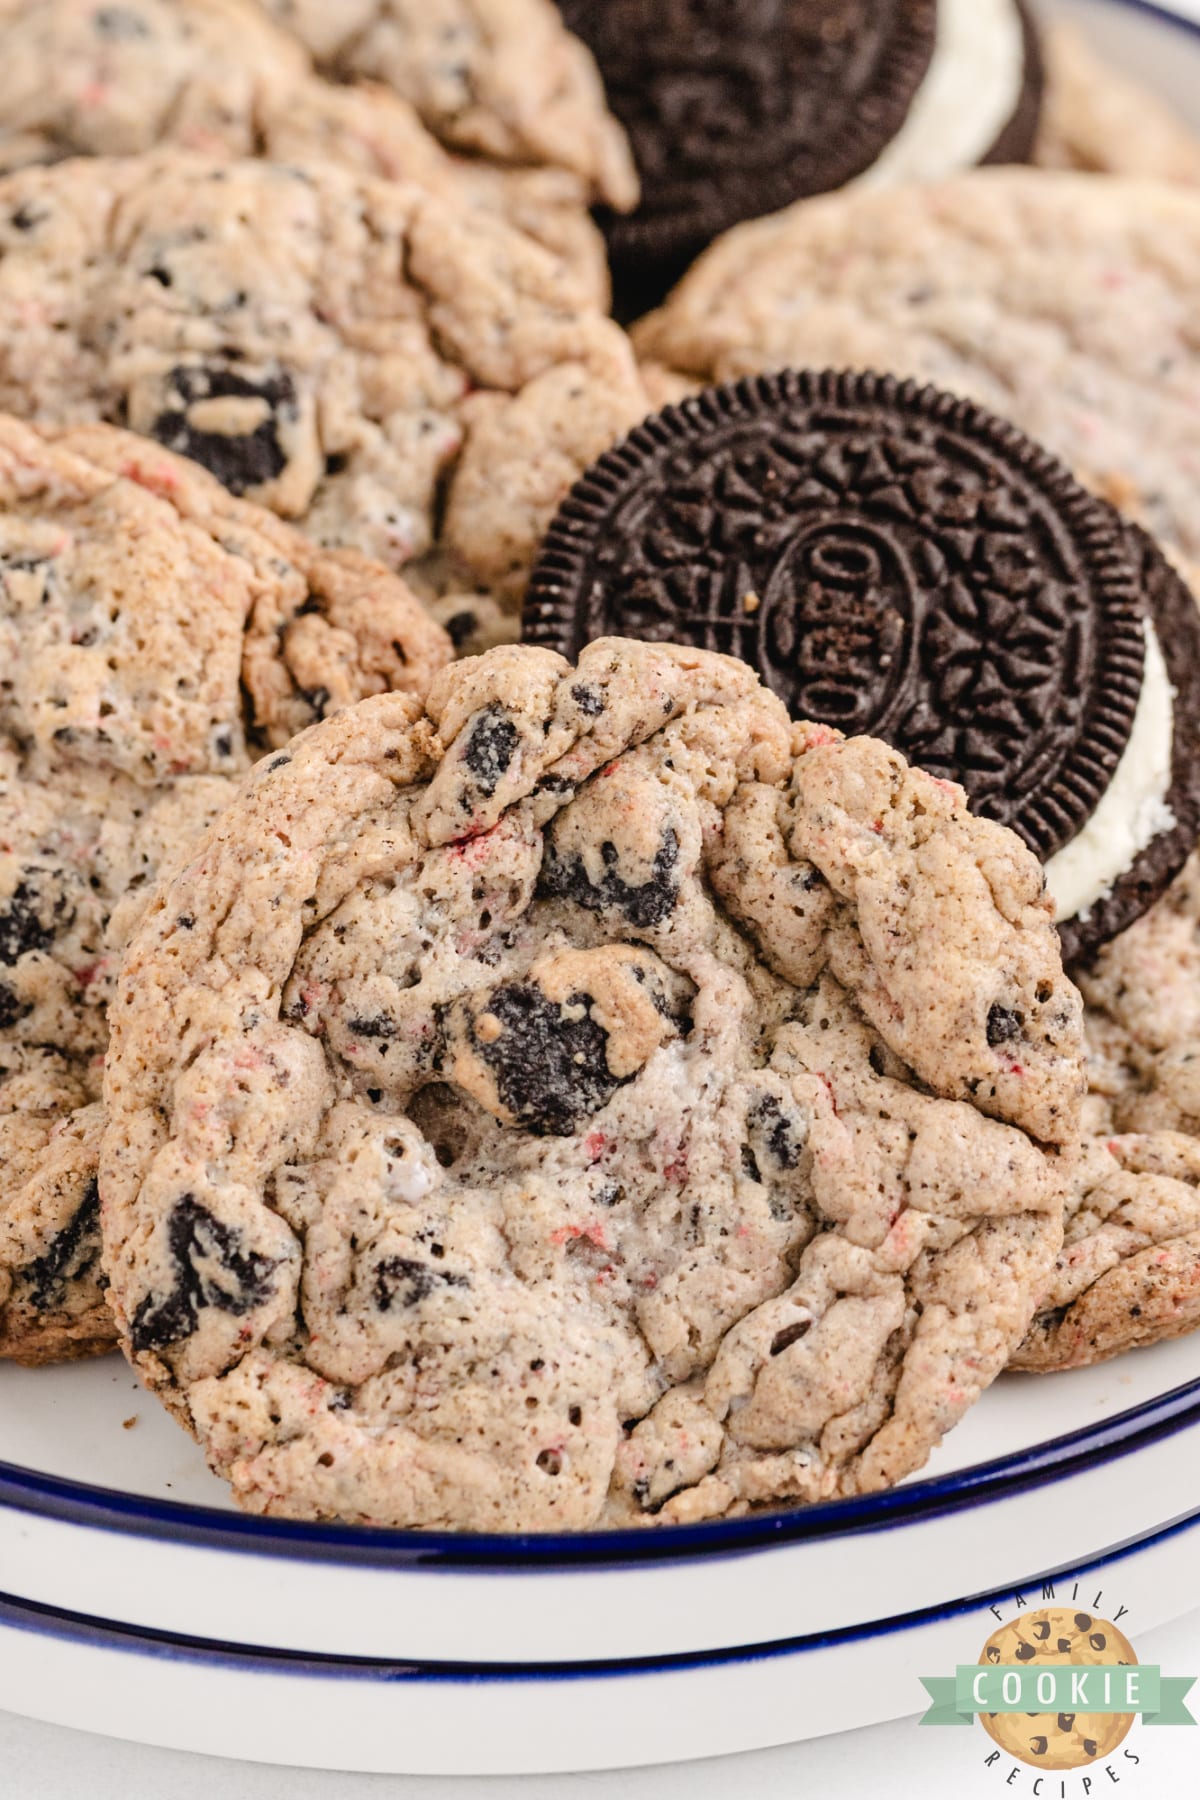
column 898, row 562
column 736, row 108
column 1175, row 623
column 1017, row 138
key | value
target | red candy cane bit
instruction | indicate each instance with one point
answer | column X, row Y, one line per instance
column 158, row 478
column 471, row 842
column 593, row 1233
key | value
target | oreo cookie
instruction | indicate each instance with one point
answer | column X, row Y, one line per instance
column 735, row 108
column 1015, row 143
column 1173, row 614
column 898, row 562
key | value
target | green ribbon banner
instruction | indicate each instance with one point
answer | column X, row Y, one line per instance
column 1057, row 1687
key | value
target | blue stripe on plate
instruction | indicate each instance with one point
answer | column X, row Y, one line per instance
column 27, row 1490
column 97, row 1634
column 1173, row 19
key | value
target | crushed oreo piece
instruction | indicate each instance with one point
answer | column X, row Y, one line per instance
column 404, row 1281
column 490, row 748
column 239, row 461
column 212, row 1268
column 642, row 904
column 551, row 1069
column 71, row 1256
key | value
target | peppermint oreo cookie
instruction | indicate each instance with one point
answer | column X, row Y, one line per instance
column 898, row 562
column 737, row 108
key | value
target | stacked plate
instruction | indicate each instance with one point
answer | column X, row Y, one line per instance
column 135, row 1602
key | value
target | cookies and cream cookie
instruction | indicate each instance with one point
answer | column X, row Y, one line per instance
column 501, row 79
column 156, row 635
column 1063, row 302
column 1097, row 116
column 221, row 77
column 579, row 1102
column 393, row 372
column 1129, row 1272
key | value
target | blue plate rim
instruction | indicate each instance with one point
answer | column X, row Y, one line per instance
column 27, row 1490
column 1190, row 27
column 91, row 1632
column 1055, row 1459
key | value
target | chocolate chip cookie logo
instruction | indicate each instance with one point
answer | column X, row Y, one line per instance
column 1058, row 1689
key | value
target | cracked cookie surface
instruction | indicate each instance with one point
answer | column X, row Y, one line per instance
column 1129, row 1271
column 1048, row 298
column 397, row 374
column 500, row 78
column 220, row 77
column 156, row 634
column 577, row 1104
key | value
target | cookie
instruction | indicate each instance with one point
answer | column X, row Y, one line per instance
column 499, row 79
column 736, row 110
column 1059, row 1636
column 219, row 76
column 155, row 636
column 398, row 375
column 1100, row 118
column 1129, row 1273
column 575, row 1104
column 896, row 561
column 1045, row 297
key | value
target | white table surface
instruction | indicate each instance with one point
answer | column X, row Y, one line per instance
column 886, row 1762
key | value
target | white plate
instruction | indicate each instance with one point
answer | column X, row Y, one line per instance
column 393, row 1719
column 1013, row 1492
column 135, row 1601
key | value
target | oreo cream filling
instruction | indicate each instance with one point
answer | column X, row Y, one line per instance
column 1133, row 810
column 968, row 96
